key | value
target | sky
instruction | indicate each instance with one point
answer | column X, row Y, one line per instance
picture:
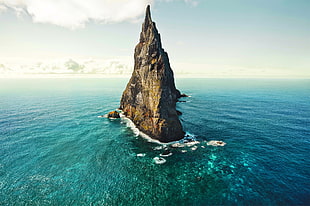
column 203, row 38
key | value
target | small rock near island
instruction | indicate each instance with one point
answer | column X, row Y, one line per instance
column 114, row 114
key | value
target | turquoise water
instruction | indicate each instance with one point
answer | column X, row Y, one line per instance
column 54, row 150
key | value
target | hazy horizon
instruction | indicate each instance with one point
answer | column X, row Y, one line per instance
column 210, row 39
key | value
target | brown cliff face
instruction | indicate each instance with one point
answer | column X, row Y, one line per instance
column 149, row 99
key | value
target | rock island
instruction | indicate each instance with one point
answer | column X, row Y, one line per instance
column 150, row 97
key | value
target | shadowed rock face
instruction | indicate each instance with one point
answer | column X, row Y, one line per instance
column 149, row 99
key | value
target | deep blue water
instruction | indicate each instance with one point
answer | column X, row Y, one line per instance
column 54, row 150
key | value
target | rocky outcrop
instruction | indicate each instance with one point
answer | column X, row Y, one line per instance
column 216, row 143
column 149, row 99
column 113, row 114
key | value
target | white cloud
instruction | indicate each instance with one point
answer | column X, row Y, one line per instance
column 115, row 66
column 75, row 13
column 123, row 66
column 191, row 2
column 2, row 8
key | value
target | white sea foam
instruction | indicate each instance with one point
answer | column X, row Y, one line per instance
column 141, row 155
column 136, row 131
column 159, row 160
column 194, row 148
column 188, row 140
column 113, row 118
column 189, row 144
column 177, row 145
column 159, row 147
column 131, row 125
column 101, row 116
column 166, row 155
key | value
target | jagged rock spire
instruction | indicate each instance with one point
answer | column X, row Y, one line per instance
column 148, row 17
column 149, row 30
column 149, row 99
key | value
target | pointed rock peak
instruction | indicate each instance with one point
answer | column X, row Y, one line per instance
column 149, row 99
column 148, row 17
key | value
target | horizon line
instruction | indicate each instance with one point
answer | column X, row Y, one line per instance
column 119, row 76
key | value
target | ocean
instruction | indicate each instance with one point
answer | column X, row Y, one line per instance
column 54, row 150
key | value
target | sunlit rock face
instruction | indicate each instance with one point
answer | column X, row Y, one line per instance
column 149, row 99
